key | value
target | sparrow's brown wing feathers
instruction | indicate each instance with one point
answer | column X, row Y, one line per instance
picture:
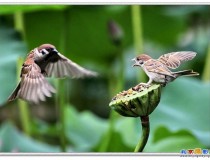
column 174, row 59
column 65, row 67
column 34, row 87
column 157, row 67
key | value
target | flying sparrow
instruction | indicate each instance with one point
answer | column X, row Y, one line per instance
column 45, row 61
column 158, row 69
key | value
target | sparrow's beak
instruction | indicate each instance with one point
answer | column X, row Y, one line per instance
column 135, row 64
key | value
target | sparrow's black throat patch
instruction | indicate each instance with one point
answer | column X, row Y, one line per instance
column 52, row 57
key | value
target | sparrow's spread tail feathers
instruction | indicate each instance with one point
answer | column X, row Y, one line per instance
column 13, row 96
column 185, row 73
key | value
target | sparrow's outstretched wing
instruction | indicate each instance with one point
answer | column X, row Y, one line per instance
column 33, row 86
column 174, row 59
column 60, row 66
column 157, row 67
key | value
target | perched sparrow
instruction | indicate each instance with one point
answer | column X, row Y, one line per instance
column 158, row 69
column 41, row 62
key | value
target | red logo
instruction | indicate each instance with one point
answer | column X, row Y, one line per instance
column 190, row 151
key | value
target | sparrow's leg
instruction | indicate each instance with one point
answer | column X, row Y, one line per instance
column 149, row 82
column 146, row 84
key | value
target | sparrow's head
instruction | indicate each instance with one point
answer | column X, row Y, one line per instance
column 44, row 50
column 140, row 60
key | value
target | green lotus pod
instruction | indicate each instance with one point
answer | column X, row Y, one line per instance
column 138, row 101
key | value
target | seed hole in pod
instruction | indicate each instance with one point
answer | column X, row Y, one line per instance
column 124, row 93
column 133, row 107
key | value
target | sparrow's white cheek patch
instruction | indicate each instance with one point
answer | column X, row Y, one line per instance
column 44, row 51
column 37, row 52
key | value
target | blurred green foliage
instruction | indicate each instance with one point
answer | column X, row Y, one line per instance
column 181, row 121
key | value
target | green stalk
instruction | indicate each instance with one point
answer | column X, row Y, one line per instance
column 19, row 23
column 23, row 107
column 138, row 36
column 62, row 89
column 145, row 135
column 61, row 107
column 137, row 28
column 120, row 81
column 206, row 71
column 113, row 116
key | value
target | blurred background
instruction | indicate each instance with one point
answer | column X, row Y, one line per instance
column 104, row 39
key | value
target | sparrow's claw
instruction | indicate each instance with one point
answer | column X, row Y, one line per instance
column 163, row 84
column 147, row 85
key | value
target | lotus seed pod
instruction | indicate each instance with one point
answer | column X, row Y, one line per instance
column 138, row 101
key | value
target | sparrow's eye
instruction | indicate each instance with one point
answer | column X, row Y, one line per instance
column 141, row 62
column 43, row 52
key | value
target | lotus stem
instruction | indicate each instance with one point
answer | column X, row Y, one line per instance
column 145, row 134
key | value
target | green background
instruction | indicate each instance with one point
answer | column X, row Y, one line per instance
column 80, row 121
